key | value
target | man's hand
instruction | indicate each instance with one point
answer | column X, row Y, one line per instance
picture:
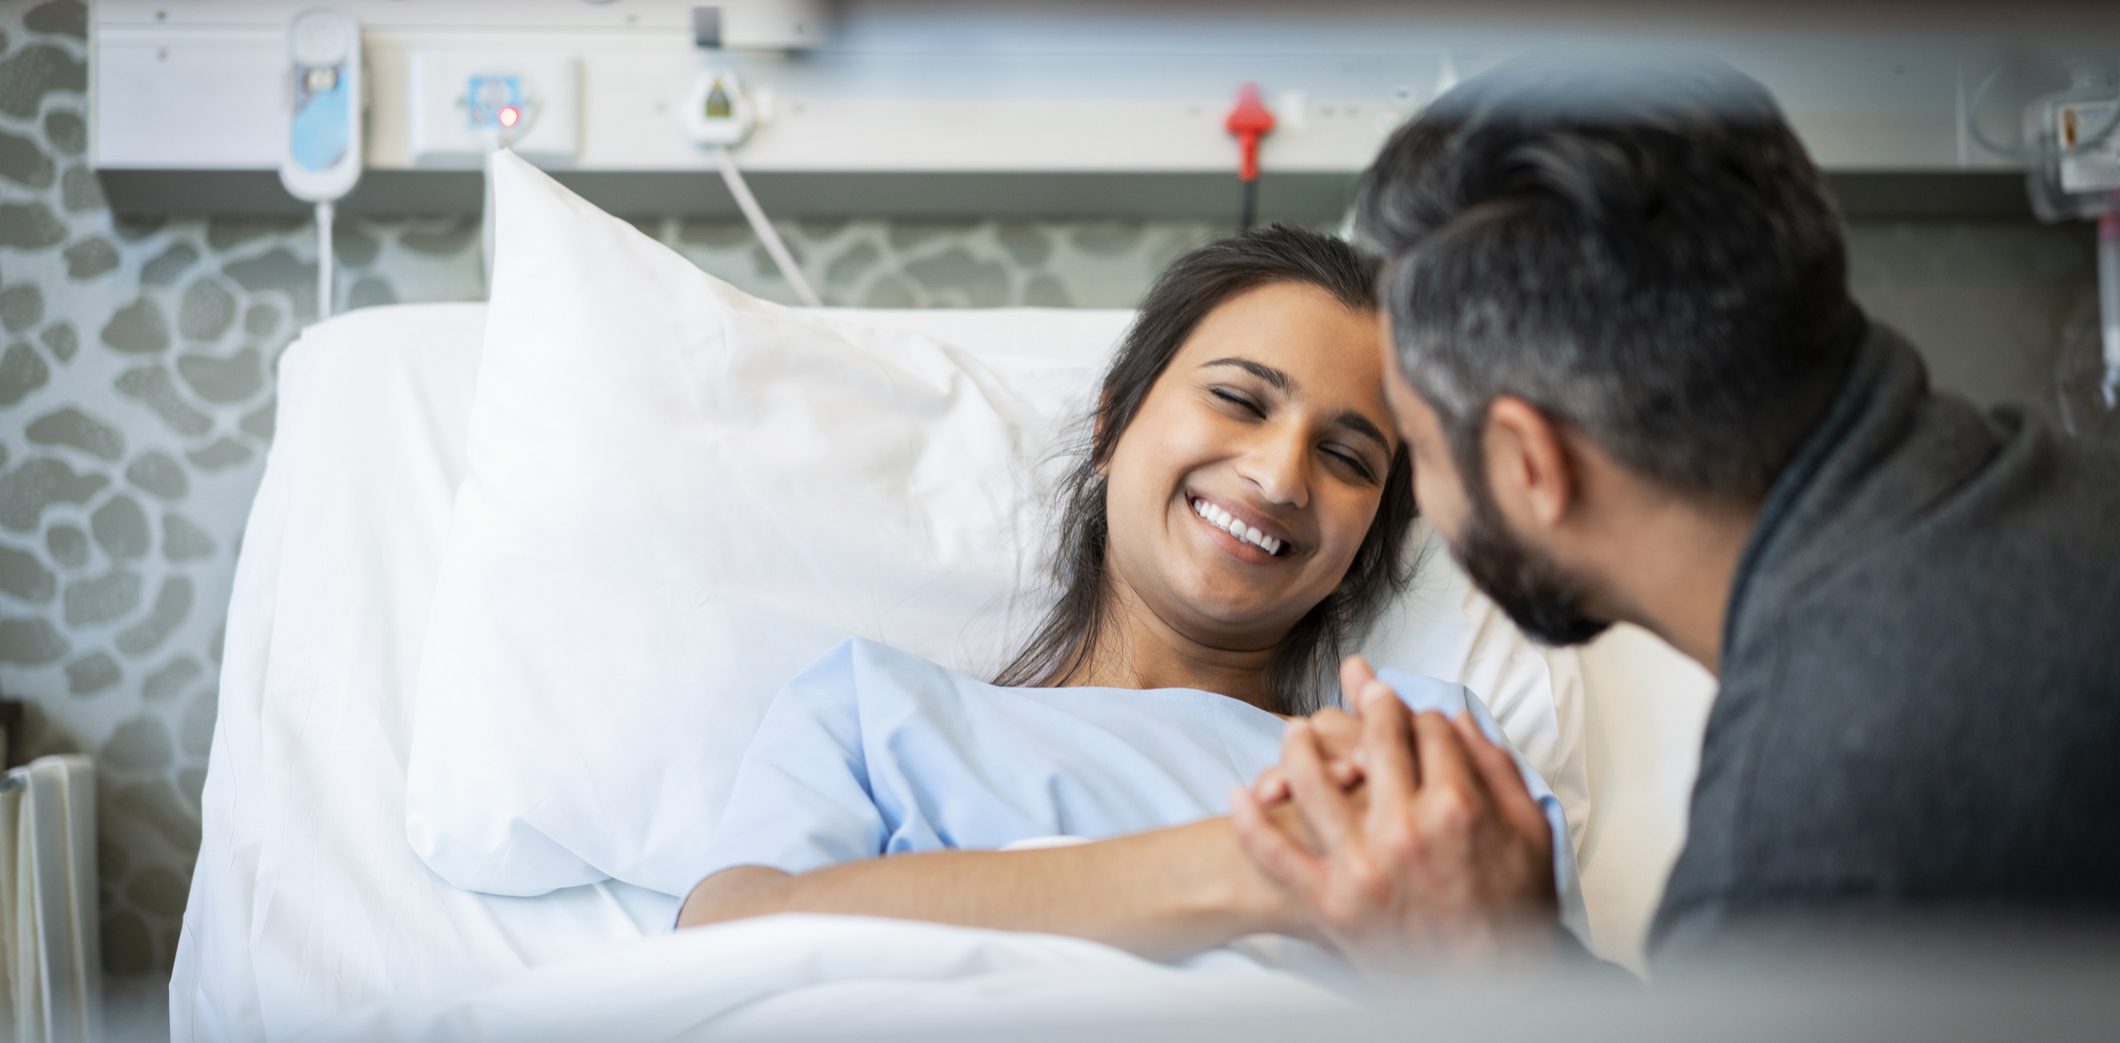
column 1449, row 861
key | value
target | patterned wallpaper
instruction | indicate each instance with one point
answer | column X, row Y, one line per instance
column 136, row 405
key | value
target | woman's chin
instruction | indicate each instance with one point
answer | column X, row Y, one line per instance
column 1226, row 599
column 1242, row 620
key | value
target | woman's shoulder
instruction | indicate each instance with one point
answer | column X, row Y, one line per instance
column 859, row 653
column 862, row 669
column 878, row 658
column 876, row 674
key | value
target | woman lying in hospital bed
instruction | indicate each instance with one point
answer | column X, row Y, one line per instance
column 459, row 789
column 1239, row 520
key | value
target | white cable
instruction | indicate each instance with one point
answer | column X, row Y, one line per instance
column 325, row 213
column 764, row 229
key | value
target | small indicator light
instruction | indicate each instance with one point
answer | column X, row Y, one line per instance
column 509, row 116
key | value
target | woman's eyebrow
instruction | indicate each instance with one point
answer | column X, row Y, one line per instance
column 1281, row 381
column 1363, row 426
column 1348, row 419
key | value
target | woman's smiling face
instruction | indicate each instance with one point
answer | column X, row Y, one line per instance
column 1270, row 419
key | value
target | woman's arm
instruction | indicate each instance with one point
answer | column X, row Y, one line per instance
column 1158, row 894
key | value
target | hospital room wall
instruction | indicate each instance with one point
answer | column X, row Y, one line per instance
column 137, row 398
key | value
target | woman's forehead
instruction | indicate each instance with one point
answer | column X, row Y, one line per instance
column 1324, row 348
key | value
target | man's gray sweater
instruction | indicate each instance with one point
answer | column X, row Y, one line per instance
column 1920, row 703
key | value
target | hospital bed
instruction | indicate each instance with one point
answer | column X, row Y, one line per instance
column 309, row 912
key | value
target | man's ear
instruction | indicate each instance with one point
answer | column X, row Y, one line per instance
column 1529, row 466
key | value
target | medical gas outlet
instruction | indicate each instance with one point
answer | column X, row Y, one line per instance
column 717, row 117
column 719, row 111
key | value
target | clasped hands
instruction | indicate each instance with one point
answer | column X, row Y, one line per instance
column 1413, row 841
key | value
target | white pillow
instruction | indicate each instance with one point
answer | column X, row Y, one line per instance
column 679, row 497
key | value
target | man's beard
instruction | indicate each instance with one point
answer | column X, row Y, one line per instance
column 1543, row 601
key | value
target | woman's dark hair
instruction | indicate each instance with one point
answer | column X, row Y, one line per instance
column 1193, row 286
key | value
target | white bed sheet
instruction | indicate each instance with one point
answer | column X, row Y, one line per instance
column 824, row 975
column 307, row 903
column 306, row 900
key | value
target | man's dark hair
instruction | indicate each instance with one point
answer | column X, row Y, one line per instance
column 1194, row 285
column 1642, row 251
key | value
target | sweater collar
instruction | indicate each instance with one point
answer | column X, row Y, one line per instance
column 1871, row 464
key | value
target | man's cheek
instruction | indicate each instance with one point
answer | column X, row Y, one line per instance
column 1442, row 510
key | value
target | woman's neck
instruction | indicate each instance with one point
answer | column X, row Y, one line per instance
column 1136, row 648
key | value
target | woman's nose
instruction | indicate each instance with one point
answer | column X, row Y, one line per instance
column 1279, row 464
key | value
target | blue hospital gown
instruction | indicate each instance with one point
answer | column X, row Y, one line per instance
column 873, row 751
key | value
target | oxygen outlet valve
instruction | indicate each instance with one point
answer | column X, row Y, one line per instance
column 1249, row 121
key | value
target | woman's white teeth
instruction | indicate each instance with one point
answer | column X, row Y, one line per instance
column 1244, row 532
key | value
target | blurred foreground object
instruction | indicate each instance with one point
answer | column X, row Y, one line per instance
column 1919, row 979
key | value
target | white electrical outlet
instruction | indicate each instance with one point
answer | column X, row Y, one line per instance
column 464, row 103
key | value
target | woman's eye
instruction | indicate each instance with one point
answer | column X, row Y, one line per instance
column 1354, row 463
column 1239, row 401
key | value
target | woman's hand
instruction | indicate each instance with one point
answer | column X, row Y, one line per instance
column 1448, row 857
column 1338, row 735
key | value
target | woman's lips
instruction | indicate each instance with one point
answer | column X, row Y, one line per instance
column 1238, row 528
